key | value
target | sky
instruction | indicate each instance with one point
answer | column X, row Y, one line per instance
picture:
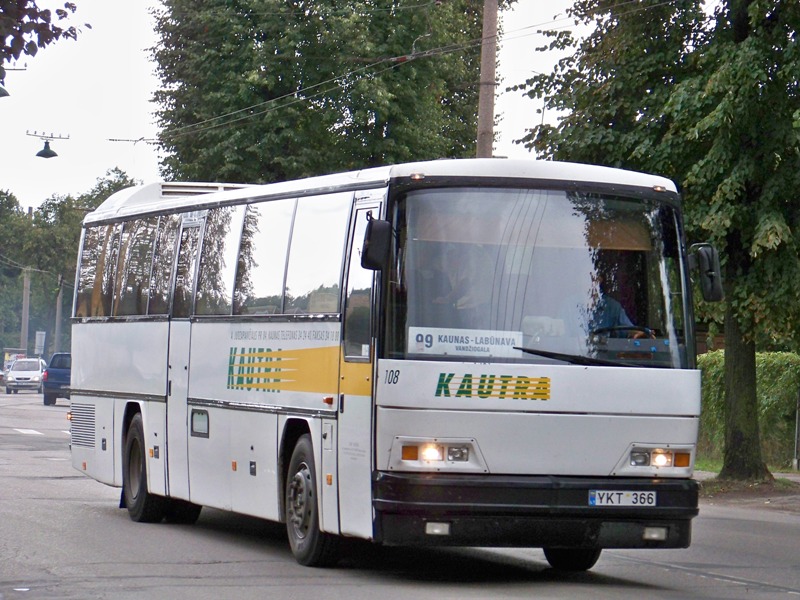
column 99, row 88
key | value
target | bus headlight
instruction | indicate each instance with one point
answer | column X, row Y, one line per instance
column 438, row 454
column 431, row 452
column 662, row 460
column 658, row 457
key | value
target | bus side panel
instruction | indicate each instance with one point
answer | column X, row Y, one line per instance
column 120, row 358
column 210, row 462
column 123, row 360
column 154, row 417
column 534, row 443
column 93, row 438
column 254, row 483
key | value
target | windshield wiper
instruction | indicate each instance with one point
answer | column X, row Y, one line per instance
column 576, row 359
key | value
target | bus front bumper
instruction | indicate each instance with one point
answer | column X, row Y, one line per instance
column 531, row 511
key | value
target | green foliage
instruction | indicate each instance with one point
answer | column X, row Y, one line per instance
column 12, row 228
column 25, row 28
column 778, row 382
column 267, row 90
column 47, row 243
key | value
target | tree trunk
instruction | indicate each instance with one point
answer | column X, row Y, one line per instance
column 743, row 458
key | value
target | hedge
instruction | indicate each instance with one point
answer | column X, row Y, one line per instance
column 778, row 386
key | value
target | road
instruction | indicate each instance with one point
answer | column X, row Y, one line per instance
column 62, row 536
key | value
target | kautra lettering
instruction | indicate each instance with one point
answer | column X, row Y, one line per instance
column 516, row 387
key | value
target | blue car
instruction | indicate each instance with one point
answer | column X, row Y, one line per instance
column 55, row 379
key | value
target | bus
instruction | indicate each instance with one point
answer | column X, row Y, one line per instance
column 464, row 352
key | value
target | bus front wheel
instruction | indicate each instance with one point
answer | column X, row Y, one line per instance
column 310, row 546
column 143, row 506
column 572, row 559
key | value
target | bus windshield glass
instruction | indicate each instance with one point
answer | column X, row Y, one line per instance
column 547, row 276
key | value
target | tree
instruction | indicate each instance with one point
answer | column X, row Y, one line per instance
column 710, row 100
column 261, row 91
column 12, row 230
column 25, row 28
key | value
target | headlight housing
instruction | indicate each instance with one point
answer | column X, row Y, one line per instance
column 662, row 460
column 453, row 455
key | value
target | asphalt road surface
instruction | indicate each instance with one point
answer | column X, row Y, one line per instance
column 62, row 535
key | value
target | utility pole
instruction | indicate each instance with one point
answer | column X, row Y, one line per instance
column 488, row 80
column 59, row 300
column 26, row 297
column 26, row 300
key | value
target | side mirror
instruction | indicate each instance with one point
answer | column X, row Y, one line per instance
column 706, row 259
column 377, row 241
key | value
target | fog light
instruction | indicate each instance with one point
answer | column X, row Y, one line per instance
column 655, row 534
column 640, row 458
column 437, row 528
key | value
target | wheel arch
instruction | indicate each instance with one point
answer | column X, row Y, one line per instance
column 293, row 429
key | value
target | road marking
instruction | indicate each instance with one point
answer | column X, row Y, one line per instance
column 29, row 431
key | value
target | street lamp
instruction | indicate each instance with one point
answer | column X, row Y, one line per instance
column 47, row 151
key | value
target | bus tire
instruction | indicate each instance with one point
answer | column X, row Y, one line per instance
column 310, row 546
column 572, row 559
column 181, row 512
column 143, row 507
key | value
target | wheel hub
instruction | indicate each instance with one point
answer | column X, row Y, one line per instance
column 299, row 501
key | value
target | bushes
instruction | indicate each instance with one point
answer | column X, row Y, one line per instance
column 778, row 385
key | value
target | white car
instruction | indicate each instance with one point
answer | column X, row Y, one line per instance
column 25, row 374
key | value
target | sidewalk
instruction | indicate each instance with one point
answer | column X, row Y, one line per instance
column 790, row 475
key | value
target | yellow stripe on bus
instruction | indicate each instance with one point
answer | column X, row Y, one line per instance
column 300, row 370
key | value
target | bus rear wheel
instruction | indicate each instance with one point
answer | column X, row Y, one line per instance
column 310, row 546
column 572, row 559
column 143, row 507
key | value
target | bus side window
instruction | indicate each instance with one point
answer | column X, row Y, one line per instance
column 87, row 270
column 103, row 291
column 185, row 270
column 262, row 258
column 218, row 260
column 163, row 257
column 315, row 256
column 136, row 257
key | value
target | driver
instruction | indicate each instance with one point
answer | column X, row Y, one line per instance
column 608, row 314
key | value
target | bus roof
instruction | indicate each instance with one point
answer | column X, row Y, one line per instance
column 167, row 197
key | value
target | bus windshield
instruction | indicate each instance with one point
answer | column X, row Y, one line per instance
column 548, row 276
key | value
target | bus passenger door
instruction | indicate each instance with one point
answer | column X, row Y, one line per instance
column 178, row 360
column 355, row 392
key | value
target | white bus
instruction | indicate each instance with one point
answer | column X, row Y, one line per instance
column 461, row 352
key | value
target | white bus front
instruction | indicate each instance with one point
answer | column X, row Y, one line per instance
column 536, row 382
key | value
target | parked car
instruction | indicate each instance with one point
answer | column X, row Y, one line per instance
column 56, row 377
column 25, row 374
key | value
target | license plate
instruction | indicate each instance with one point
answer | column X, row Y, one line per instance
column 621, row 498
